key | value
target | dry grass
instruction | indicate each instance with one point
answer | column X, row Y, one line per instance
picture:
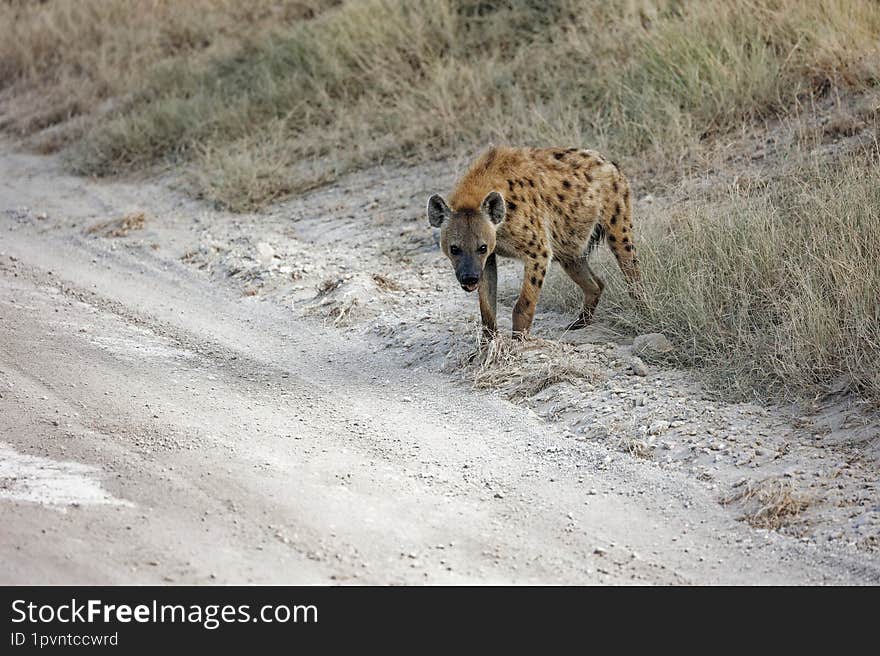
column 386, row 284
column 68, row 58
column 769, row 504
column 636, row 447
column 260, row 106
column 120, row 227
column 523, row 368
column 775, row 290
column 772, row 285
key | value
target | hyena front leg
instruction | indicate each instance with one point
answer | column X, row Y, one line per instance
column 488, row 292
column 533, row 279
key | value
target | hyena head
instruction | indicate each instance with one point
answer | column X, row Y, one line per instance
column 467, row 236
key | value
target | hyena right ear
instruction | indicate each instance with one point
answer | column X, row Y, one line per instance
column 438, row 210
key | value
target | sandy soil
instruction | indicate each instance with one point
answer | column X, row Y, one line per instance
column 297, row 397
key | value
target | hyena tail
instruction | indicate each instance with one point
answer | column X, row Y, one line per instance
column 596, row 238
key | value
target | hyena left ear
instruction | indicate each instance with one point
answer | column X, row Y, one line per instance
column 438, row 210
column 493, row 206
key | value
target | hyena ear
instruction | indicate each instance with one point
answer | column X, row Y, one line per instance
column 438, row 210
column 493, row 206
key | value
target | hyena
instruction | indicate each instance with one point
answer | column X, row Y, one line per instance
column 536, row 205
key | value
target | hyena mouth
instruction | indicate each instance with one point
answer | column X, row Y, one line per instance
column 470, row 288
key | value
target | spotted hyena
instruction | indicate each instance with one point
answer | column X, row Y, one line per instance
column 536, row 205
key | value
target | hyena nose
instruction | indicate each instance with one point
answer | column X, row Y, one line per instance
column 470, row 281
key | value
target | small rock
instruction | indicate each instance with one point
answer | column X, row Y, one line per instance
column 265, row 253
column 651, row 344
column 638, row 366
column 658, row 427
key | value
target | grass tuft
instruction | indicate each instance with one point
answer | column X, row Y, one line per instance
column 522, row 369
column 769, row 504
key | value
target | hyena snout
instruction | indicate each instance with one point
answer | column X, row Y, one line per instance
column 468, row 274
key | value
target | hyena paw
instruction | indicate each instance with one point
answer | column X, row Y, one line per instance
column 577, row 324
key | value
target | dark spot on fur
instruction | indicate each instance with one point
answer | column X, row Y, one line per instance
column 561, row 198
column 532, row 255
column 614, row 186
column 531, row 182
column 628, row 247
column 613, row 219
column 612, row 238
column 511, row 206
column 614, row 164
column 510, row 184
column 588, row 177
column 625, row 239
column 559, row 155
column 566, row 184
column 534, row 280
column 543, row 253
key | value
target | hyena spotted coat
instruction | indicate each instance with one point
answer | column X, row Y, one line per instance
column 536, row 205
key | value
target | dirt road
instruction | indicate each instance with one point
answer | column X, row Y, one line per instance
column 156, row 426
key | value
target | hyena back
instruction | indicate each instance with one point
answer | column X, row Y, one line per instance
column 536, row 205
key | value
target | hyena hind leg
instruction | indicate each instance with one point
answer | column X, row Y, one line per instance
column 579, row 271
column 617, row 225
column 625, row 254
column 619, row 240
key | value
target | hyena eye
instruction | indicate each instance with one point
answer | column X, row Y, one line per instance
column 482, row 249
column 455, row 250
